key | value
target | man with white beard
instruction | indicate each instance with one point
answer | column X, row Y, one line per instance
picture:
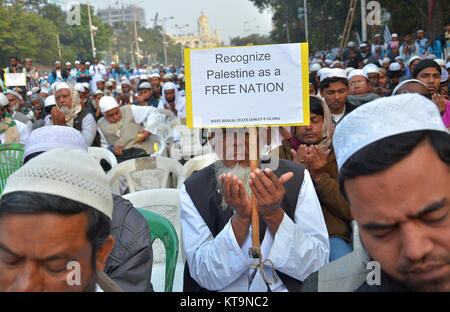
column 216, row 222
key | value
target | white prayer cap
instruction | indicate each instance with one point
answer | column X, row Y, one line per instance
column 101, row 80
column 377, row 35
column 351, row 44
column 66, row 172
column 3, row 100
column 348, row 70
column 87, row 63
column 405, row 82
column 371, row 69
column 57, row 62
column 394, row 35
column 17, row 95
column 440, row 62
column 125, row 82
column 168, row 76
column 155, row 75
column 357, row 72
column 413, row 58
column 431, row 56
column 444, row 75
column 398, row 58
column 333, row 73
column 363, row 45
column 35, row 90
column 447, row 66
column 68, row 63
column 143, row 77
column 395, row 67
column 383, row 118
column 49, row 101
column 86, row 85
column 80, row 87
column 169, row 86
column 180, row 76
column 386, row 60
column 335, row 63
column 108, row 84
column 98, row 91
column 315, row 67
column 44, row 90
column 77, row 62
column 145, row 85
column 107, row 103
column 47, row 138
column 29, row 93
column 112, row 79
column 420, row 31
column 328, row 61
column 61, row 85
column 322, row 71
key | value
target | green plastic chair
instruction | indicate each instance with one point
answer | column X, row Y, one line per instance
column 11, row 155
column 161, row 228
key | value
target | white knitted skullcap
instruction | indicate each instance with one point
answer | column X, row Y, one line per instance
column 61, row 85
column 348, row 70
column 49, row 101
column 68, row 173
column 395, row 67
column 315, row 67
column 145, row 85
column 50, row 137
column 398, row 58
column 383, row 118
column 332, row 73
column 357, row 72
column 440, row 62
column 80, row 87
column 413, row 58
column 107, row 103
column 371, row 69
column 406, row 82
column 386, row 60
column 143, row 77
column 155, row 75
column 3, row 100
column 125, row 82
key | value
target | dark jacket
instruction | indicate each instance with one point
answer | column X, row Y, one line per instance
column 130, row 262
column 206, row 197
column 335, row 208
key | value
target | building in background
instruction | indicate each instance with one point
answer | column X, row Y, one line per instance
column 204, row 38
column 125, row 14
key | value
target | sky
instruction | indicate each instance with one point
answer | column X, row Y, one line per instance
column 228, row 16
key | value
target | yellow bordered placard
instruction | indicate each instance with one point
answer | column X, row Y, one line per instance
column 304, row 74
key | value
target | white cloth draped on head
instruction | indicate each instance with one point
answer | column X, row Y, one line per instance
column 170, row 86
column 76, row 103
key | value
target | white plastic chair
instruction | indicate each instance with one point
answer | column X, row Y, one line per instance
column 100, row 153
column 167, row 115
column 145, row 173
column 165, row 202
column 189, row 144
column 164, row 130
column 160, row 143
column 195, row 164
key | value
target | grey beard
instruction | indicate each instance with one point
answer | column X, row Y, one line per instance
column 243, row 174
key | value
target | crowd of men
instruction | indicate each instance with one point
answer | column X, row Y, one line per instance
column 375, row 154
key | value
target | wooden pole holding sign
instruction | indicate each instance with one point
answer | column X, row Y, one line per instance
column 236, row 87
column 255, row 251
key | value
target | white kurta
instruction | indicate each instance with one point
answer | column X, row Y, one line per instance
column 299, row 248
column 97, row 72
column 147, row 115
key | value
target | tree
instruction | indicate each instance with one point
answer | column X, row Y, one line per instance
column 326, row 19
column 254, row 39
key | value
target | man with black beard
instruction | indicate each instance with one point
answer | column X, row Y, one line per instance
column 216, row 222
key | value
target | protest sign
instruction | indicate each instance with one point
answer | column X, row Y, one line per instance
column 15, row 80
column 263, row 85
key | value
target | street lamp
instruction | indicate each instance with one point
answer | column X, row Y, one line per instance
column 180, row 29
column 165, row 44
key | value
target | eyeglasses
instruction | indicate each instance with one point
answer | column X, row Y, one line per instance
column 354, row 83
